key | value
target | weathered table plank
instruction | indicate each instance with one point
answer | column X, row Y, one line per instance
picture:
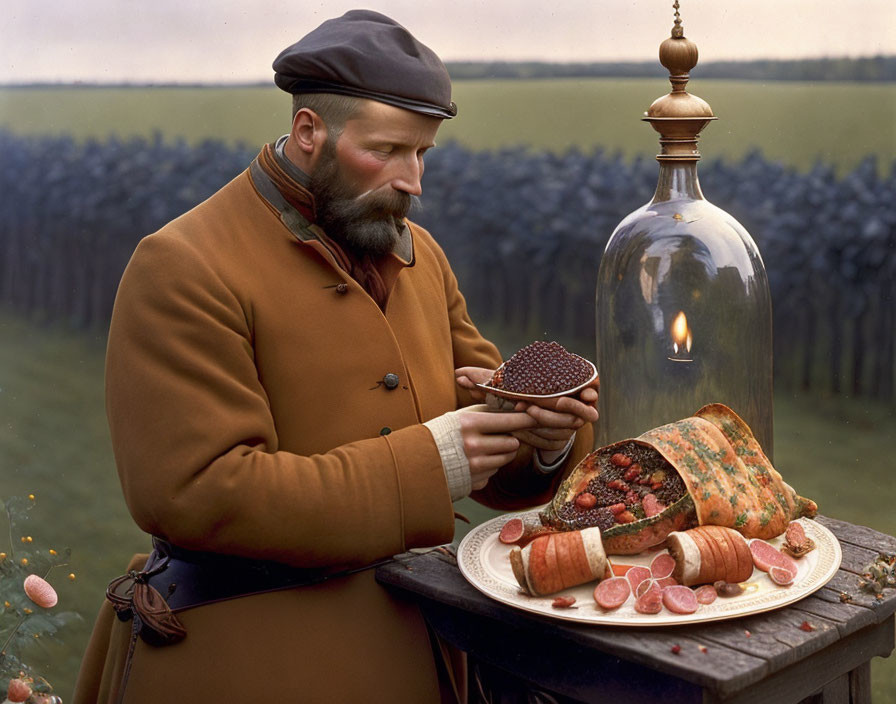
column 430, row 577
column 861, row 536
column 824, row 668
column 787, row 654
column 780, row 639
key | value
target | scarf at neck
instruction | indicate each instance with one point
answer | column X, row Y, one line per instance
column 364, row 269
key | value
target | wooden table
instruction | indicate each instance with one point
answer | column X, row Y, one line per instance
column 770, row 657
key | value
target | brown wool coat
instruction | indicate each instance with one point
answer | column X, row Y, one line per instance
column 248, row 418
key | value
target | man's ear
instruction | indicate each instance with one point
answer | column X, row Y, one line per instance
column 306, row 139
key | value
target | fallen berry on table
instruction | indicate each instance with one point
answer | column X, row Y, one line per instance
column 806, row 626
column 703, row 648
column 676, row 649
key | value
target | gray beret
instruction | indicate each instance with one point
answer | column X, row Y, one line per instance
column 368, row 55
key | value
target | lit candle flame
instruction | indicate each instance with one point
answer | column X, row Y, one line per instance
column 681, row 334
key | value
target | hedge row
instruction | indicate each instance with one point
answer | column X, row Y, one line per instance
column 524, row 231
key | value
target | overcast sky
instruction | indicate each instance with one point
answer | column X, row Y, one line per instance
column 236, row 40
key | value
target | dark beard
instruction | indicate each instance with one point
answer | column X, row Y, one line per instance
column 368, row 224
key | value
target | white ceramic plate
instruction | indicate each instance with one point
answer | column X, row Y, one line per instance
column 484, row 561
column 503, row 393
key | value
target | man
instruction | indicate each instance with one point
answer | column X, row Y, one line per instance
column 284, row 407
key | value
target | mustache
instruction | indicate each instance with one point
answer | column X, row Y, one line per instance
column 386, row 202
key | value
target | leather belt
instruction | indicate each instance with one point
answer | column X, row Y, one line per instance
column 175, row 579
column 193, row 578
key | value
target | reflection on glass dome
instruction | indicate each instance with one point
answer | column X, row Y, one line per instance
column 683, row 304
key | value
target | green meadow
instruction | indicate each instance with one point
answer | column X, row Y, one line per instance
column 53, row 434
column 796, row 123
column 55, row 444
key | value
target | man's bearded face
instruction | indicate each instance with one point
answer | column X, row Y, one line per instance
column 369, row 223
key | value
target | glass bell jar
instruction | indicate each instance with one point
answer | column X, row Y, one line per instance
column 684, row 313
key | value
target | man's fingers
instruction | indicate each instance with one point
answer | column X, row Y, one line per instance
column 489, row 445
column 567, row 413
column 568, row 404
column 472, row 375
column 489, row 464
column 546, row 433
column 465, row 382
column 581, row 406
column 537, row 441
column 588, row 395
column 484, row 422
column 553, row 419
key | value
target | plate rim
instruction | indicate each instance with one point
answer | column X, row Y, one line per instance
column 821, row 574
column 503, row 393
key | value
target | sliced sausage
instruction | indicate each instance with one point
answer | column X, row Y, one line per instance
column 686, row 554
column 612, row 593
column 662, row 566
column 726, row 551
column 650, row 602
column 680, row 600
column 781, row 576
column 636, row 575
column 706, row 594
column 744, row 556
column 707, row 562
column 511, row 531
column 559, row 561
column 766, row 556
column 716, row 567
column 565, row 560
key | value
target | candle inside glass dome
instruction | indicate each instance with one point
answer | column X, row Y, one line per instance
column 683, row 303
column 681, row 339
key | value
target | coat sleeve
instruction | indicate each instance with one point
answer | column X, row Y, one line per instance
column 517, row 485
column 196, row 444
column 469, row 348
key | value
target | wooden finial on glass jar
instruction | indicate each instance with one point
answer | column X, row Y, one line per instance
column 683, row 304
column 679, row 116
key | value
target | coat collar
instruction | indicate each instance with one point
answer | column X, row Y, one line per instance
column 304, row 230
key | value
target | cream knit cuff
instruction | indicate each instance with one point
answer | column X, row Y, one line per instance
column 543, row 468
column 445, row 431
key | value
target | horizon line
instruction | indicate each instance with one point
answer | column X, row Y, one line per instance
column 187, row 83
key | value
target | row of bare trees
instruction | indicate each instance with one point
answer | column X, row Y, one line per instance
column 524, row 231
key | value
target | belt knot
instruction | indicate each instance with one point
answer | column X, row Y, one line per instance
column 132, row 596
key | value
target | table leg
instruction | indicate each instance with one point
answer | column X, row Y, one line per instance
column 860, row 684
column 492, row 685
column 834, row 692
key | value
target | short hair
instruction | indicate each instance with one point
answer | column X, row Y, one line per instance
column 335, row 110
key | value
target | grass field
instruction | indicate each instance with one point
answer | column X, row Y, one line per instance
column 53, row 432
column 55, row 444
column 794, row 123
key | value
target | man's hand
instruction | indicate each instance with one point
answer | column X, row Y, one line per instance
column 488, row 441
column 468, row 377
column 558, row 419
